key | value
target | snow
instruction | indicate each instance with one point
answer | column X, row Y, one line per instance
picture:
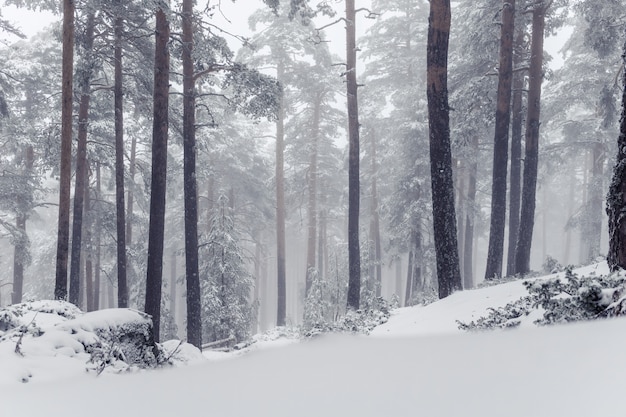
column 418, row 363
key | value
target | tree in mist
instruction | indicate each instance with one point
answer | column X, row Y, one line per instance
column 444, row 217
column 501, row 142
column 63, row 234
column 531, row 156
column 226, row 283
column 159, row 170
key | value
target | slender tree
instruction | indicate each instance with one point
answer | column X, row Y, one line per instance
column 281, row 279
column 63, row 234
column 159, row 171
column 444, row 217
column 122, row 287
column 194, row 307
column 86, row 73
column 354, row 259
column 531, row 157
column 501, row 142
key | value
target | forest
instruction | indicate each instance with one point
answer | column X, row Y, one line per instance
column 312, row 160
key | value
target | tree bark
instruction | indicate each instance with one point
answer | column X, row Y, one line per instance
column 470, row 213
column 515, row 187
column 616, row 200
column 444, row 217
column 281, row 278
column 194, row 306
column 89, row 287
column 63, row 233
column 96, row 278
column 156, row 230
column 81, row 161
column 529, row 190
column 501, row 143
column 122, row 286
column 131, row 195
column 354, row 255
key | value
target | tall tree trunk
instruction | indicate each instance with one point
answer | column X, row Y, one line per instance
column 408, row 293
column 20, row 254
column 122, row 286
column 375, row 221
column 312, row 204
column 529, row 190
column 63, row 234
column 281, row 273
column 444, row 217
column 354, row 255
column 81, row 160
column 616, row 199
column 461, row 200
column 516, row 152
column 96, row 281
column 501, row 143
column 468, row 270
column 131, row 195
column 89, row 248
column 399, row 281
column 194, row 306
column 156, row 231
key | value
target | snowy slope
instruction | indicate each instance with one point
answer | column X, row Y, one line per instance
column 416, row 364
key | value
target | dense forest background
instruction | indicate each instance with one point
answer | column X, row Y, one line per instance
column 285, row 83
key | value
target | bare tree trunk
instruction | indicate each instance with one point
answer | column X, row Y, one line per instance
column 408, row 293
column 281, row 279
column 444, row 217
column 173, row 279
column 516, row 152
column 131, row 195
column 501, row 143
column 354, row 255
column 399, row 280
column 527, row 216
column 194, row 307
column 159, row 173
column 63, row 235
column 81, row 161
column 122, row 286
column 89, row 249
column 468, row 270
column 96, row 282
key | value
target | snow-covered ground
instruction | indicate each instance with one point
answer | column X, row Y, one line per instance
column 418, row 363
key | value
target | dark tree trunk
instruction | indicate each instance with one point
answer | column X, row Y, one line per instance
column 354, row 255
column 20, row 254
column 616, row 199
column 444, row 217
column 501, row 143
column 468, row 267
column 375, row 223
column 131, row 195
column 81, row 161
column 156, row 231
column 122, row 287
column 194, row 307
column 281, row 278
column 408, row 292
column 312, row 204
column 516, row 152
column 173, row 277
column 529, row 190
column 63, row 235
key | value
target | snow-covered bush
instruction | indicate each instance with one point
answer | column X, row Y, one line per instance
column 573, row 298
